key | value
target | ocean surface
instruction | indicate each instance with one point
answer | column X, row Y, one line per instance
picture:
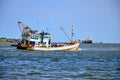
column 93, row 62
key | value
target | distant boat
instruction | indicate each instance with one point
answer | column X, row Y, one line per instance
column 88, row 40
column 35, row 40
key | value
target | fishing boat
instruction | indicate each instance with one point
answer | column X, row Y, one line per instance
column 35, row 40
column 88, row 41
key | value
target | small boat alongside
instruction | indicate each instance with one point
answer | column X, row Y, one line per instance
column 35, row 40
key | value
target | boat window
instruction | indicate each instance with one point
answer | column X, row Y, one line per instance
column 44, row 43
column 36, row 43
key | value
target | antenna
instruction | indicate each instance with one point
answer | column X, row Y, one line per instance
column 37, row 23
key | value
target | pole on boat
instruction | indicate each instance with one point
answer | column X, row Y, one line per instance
column 37, row 24
column 21, row 26
column 73, row 36
column 65, row 33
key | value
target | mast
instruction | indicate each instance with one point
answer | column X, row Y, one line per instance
column 73, row 36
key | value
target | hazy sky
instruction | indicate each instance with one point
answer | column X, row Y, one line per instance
column 98, row 19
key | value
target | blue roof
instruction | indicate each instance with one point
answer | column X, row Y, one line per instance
column 45, row 33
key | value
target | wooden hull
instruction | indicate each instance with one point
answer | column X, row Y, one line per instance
column 71, row 47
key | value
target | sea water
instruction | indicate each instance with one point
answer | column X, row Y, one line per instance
column 93, row 62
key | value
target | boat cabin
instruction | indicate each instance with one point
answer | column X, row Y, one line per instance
column 35, row 38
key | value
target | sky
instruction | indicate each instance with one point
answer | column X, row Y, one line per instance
column 98, row 19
